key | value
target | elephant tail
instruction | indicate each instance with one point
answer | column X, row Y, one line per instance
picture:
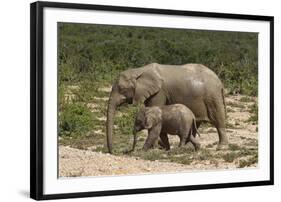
column 223, row 99
column 196, row 129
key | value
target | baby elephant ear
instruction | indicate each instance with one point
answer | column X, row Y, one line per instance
column 152, row 117
column 147, row 84
column 148, row 122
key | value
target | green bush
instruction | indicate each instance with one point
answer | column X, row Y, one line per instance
column 75, row 119
column 99, row 52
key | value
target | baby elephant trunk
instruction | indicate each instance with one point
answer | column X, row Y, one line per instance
column 135, row 139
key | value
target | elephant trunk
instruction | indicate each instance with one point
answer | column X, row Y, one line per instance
column 135, row 139
column 115, row 100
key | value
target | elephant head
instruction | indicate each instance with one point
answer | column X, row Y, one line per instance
column 147, row 118
column 132, row 86
column 153, row 116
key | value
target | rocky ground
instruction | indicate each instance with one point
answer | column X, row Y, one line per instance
column 242, row 131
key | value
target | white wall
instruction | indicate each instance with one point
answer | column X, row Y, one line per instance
column 14, row 102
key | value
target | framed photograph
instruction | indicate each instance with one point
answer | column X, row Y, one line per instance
column 129, row 100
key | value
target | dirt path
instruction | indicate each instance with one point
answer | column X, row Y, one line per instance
column 77, row 162
column 243, row 150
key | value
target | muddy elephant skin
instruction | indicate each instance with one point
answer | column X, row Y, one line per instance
column 174, row 119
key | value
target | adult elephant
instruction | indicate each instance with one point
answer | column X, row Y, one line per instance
column 193, row 85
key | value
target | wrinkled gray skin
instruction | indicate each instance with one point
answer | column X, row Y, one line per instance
column 192, row 85
column 174, row 119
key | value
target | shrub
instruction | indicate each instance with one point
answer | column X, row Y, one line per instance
column 248, row 162
column 75, row 119
column 229, row 157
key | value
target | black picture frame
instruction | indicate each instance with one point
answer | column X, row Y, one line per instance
column 36, row 98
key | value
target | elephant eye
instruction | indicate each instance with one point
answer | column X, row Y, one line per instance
column 146, row 121
column 122, row 90
column 125, row 91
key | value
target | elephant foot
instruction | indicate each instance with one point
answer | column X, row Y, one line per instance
column 146, row 147
column 197, row 147
column 128, row 151
column 163, row 146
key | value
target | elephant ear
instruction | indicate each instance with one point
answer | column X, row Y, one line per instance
column 153, row 115
column 147, row 84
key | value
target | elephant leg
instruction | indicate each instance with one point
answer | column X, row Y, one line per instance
column 150, row 141
column 195, row 143
column 216, row 114
column 183, row 141
column 164, row 141
column 223, row 140
column 184, row 136
column 153, row 135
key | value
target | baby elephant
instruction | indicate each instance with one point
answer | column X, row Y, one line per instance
column 174, row 119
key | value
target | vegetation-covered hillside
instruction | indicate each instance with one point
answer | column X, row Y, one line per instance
column 99, row 52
